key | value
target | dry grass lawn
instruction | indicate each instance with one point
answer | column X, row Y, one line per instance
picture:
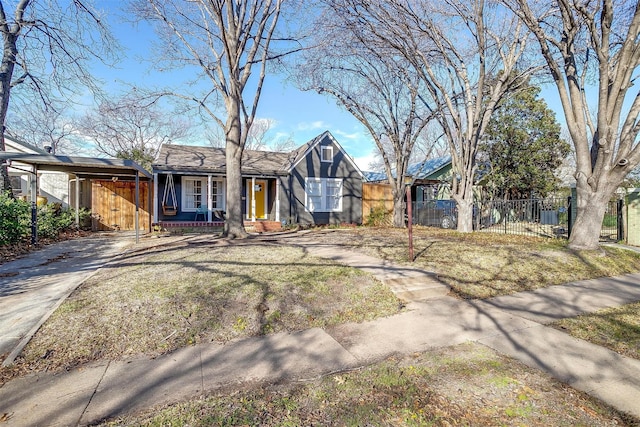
column 465, row 385
column 204, row 289
column 172, row 296
column 484, row 265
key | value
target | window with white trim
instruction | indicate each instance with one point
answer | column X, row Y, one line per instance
column 326, row 153
column 323, row 195
column 217, row 194
column 194, row 190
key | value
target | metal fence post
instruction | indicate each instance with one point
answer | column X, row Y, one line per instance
column 620, row 220
column 569, row 216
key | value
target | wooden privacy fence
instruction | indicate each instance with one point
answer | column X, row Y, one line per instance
column 376, row 196
column 113, row 205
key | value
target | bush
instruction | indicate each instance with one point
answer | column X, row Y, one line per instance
column 15, row 219
column 379, row 216
column 52, row 219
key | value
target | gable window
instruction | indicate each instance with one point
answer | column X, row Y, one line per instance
column 193, row 193
column 323, row 195
column 326, row 154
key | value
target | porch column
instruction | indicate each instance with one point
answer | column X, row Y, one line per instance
column 209, row 197
column 77, row 196
column 137, row 216
column 277, row 199
column 155, row 197
column 253, row 199
column 34, row 205
column 149, row 206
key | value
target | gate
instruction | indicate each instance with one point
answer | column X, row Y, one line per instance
column 612, row 224
column 113, row 206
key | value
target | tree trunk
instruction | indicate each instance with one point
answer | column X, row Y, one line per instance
column 5, row 182
column 398, row 208
column 591, row 206
column 463, row 195
column 465, row 214
column 233, row 225
column 6, row 73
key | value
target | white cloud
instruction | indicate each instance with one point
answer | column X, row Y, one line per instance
column 363, row 161
column 318, row 124
column 351, row 136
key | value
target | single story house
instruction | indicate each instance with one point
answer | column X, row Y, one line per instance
column 430, row 179
column 54, row 186
column 318, row 183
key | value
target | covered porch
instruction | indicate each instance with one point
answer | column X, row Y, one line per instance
column 197, row 201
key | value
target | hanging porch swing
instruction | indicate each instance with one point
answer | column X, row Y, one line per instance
column 169, row 207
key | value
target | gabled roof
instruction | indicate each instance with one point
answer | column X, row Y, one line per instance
column 423, row 170
column 301, row 152
column 15, row 145
column 189, row 158
column 198, row 159
column 428, row 168
column 371, row 176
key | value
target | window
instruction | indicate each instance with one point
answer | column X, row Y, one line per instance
column 193, row 193
column 323, row 195
column 217, row 194
column 18, row 185
column 326, row 154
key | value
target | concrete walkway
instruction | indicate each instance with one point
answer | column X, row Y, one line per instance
column 32, row 287
column 514, row 325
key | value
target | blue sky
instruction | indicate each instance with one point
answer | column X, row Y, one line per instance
column 301, row 115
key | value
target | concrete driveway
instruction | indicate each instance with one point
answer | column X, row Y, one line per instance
column 32, row 287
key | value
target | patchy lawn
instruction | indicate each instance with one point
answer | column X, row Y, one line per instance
column 616, row 328
column 192, row 291
column 464, row 385
column 168, row 297
column 484, row 265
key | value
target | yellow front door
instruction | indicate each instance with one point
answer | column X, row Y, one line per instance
column 257, row 199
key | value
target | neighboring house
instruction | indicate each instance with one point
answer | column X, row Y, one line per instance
column 318, row 183
column 54, row 186
column 430, row 179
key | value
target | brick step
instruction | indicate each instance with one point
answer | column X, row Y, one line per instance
column 263, row 226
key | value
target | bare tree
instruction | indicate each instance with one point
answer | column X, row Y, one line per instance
column 468, row 54
column 47, row 44
column 259, row 138
column 592, row 45
column 229, row 42
column 43, row 125
column 377, row 87
column 131, row 127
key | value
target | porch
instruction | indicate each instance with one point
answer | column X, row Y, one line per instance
column 258, row 226
column 192, row 200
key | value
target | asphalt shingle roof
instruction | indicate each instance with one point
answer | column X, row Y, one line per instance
column 420, row 170
column 208, row 159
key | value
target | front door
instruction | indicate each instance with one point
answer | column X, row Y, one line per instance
column 257, row 199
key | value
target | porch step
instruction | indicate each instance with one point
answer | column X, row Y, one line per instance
column 263, row 226
column 417, row 288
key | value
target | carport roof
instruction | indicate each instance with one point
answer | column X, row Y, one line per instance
column 89, row 167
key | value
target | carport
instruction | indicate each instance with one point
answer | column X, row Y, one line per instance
column 90, row 168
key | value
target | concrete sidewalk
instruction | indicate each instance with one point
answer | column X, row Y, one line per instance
column 513, row 325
